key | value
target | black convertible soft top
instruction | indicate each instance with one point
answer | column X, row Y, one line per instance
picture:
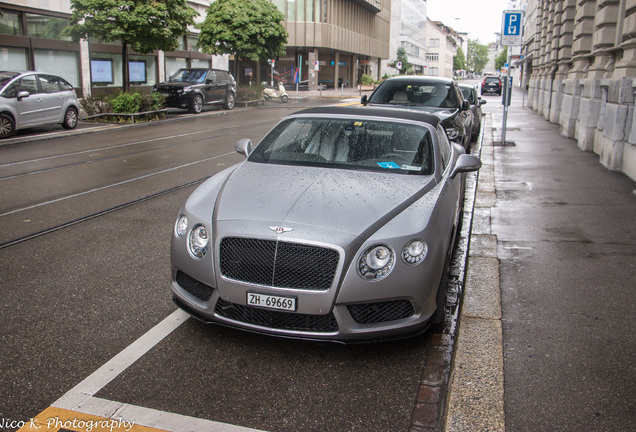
column 397, row 113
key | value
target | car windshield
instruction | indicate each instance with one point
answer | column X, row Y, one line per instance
column 189, row 75
column 431, row 94
column 363, row 144
column 492, row 80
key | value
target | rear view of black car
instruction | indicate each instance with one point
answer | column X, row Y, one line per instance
column 193, row 88
column 491, row 84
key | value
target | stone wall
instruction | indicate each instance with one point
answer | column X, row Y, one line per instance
column 584, row 75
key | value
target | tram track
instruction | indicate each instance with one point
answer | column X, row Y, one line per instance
column 100, row 213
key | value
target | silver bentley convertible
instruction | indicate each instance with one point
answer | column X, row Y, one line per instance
column 338, row 226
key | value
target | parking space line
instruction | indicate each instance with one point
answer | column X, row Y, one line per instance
column 79, row 411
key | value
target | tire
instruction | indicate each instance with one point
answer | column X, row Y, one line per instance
column 229, row 101
column 439, row 316
column 284, row 98
column 7, row 126
column 196, row 106
column 70, row 118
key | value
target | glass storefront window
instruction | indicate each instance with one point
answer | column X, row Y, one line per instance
column 10, row 24
column 200, row 63
column 143, row 70
column 62, row 63
column 173, row 64
column 15, row 57
column 106, row 70
column 192, row 44
column 47, row 27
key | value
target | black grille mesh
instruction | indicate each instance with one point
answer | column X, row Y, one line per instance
column 275, row 319
column 193, row 286
column 370, row 313
column 278, row 264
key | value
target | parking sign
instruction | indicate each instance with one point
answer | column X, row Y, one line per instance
column 512, row 28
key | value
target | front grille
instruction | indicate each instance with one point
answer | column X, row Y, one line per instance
column 193, row 286
column 370, row 313
column 278, row 264
column 276, row 319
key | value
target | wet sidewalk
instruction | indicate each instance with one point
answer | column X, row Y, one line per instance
column 546, row 334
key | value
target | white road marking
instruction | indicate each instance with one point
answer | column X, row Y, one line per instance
column 81, row 397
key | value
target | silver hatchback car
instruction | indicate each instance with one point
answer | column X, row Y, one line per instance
column 30, row 99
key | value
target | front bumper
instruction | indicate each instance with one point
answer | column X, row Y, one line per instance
column 353, row 322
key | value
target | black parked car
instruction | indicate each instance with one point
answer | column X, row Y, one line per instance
column 192, row 88
column 491, row 84
column 470, row 94
column 439, row 96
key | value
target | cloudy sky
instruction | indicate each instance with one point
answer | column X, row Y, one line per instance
column 481, row 19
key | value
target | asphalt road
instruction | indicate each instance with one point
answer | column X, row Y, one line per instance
column 84, row 269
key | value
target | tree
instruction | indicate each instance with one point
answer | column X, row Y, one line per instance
column 403, row 58
column 144, row 25
column 248, row 29
column 501, row 59
column 459, row 61
column 477, row 56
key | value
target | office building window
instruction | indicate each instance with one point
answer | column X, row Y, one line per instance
column 10, row 24
column 47, row 27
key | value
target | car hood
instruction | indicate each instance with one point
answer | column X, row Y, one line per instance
column 176, row 85
column 441, row 113
column 347, row 201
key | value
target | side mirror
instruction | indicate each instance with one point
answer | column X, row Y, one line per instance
column 364, row 100
column 23, row 94
column 244, row 147
column 465, row 105
column 482, row 101
column 466, row 163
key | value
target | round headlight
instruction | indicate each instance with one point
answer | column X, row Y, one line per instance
column 198, row 241
column 376, row 262
column 181, row 226
column 414, row 252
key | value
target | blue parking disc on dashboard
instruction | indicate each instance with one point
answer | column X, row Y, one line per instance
column 392, row 165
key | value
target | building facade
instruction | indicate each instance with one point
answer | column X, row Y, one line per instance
column 442, row 42
column 408, row 31
column 330, row 42
column 582, row 74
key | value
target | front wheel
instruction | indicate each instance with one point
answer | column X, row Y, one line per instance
column 7, row 126
column 70, row 119
column 197, row 104
column 439, row 316
column 284, row 98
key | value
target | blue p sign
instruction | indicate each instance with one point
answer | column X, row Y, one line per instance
column 511, row 33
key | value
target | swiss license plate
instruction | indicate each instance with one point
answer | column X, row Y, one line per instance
column 271, row 302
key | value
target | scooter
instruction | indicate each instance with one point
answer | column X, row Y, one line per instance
column 270, row 92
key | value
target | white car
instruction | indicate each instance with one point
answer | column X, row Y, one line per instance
column 30, row 99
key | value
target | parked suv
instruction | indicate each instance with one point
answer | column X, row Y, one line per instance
column 30, row 99
column 491, row 84
column 192, row 88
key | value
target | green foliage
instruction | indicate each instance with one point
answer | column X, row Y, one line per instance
column 477, row 56
column 459, row 61
column 366, row 79
column 248, row 93
column 144, row 25
column 123, row 102
column 250, row 29
column 404, row 59
column 95, row 105
column 501, row 59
